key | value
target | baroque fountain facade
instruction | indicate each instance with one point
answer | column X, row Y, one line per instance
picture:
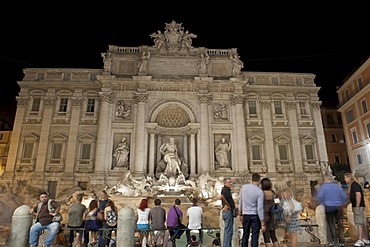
column 162, row 120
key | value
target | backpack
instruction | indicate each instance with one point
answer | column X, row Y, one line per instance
column 277, row 213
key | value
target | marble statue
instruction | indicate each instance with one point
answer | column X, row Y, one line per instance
column 159, row 39
column 222, row 154
column 107, row 60
column 170, row 156
column 121, row 154
column 143, row 63
column 237, row 64
column 203, row 63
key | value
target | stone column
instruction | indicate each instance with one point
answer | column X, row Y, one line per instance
column 192, row 153
column 296, row 144
column 15, row 138
column 269, row 138
column 159, row 144
column 72, row 137
column 140, row 100
column 204, row 132
column 320, row 135
column 240, row 162
column 100, row 157
column 185, row 151
column 151, row 151
column 44, row 134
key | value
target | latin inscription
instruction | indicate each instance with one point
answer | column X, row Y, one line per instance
column 173, row 66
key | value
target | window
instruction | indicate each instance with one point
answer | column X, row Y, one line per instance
column 27, row 150
column 36, row 104
column 337, row 158
column 354, row 136
column 359, row 159
column 67, row 77
column 333, row 138
column 346, row 95
column 299, row 81
column 250, row 80
column 368, row 129
column 256, row 152
column 283, row 152
column 85, row 151
column 360, row 83
column 277, row 107
column 90, row 105
column 1, row 136
column 40, row 76
column 350, row 116
column 252, row 106
column 63, row 105
column 56, row 152
column 309, row 152
column 274, row 81
column 330, row 119
column 364, row 106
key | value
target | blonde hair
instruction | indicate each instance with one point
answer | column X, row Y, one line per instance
column 283, row 189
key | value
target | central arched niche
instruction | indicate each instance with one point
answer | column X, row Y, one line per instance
column 172, row 114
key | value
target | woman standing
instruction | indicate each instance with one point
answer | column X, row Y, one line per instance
column 92, row 224
column 110, row 218
column 291, row 219
column 270, row 234
column 143, row 220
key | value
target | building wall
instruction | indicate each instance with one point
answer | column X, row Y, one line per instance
column 334, row 135
column 354, row 99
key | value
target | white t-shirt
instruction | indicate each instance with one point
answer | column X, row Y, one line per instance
column 195, row 217
column 143, row 216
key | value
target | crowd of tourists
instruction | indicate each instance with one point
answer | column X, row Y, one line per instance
column 156, row 227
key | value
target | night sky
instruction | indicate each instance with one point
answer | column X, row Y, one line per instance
column 327, row 41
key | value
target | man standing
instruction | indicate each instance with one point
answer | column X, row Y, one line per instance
column 251, row 210
column 228, row 207
column 44, row 220
column 333, row 197
column 356, row 197
column 195, row 219
column 157, row 220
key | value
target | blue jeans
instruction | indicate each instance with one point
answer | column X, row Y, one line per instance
column 36, row 228
column 251, row 221
column 228, row 218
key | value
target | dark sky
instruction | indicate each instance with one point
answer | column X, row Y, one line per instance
column 328, row 41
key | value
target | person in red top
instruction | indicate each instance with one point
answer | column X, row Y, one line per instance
column 44, row 220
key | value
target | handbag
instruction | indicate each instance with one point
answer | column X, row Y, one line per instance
column 292, row 206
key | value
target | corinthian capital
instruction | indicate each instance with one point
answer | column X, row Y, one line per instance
column 205, row 98
column 237, row 99
column 315, row 104
column 106, row 97
column 76, row 101
column 49, row 101
column 140, row 97
column 22, row 100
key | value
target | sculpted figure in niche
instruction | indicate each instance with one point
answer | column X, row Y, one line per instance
column 170, row 157
column 121, row 154
column 222, row 154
